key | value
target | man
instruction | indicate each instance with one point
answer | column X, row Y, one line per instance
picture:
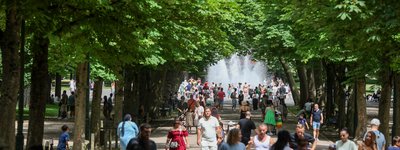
column 380, row 138
column 308, row 106
column 299, row 135
column 344, row 143
column 143, row 142
column 246, row 125
column 207, row 131
column 221, row 96
column 63, row 105
column 316, row 120
column 261, row 138
column 241, row 97
column 71, row 104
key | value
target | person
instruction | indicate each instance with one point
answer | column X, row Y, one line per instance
column 110, row 104
column 244, row 108
column 142, row 142
column 300, row 134
column 281, row 94
column 71, row 104
column 269, row 119
column 380, row 138
column 221, row 96
column 63, row 139
column 177, row 137
column 241, row 97
column 190, row 113
column 261, row 141
column 255, row 100
column 395, row 143
column 199, row 111
column 105, row 107
column 63, row 105
column 316, row 119
column 234, row 98
column 246, row 125
column 303, row 121
column 263, row 105
column 214, row 113
column 207, row 130
column 233, row 142
column 126, row 131
column 344, row 143
column 283, row 141
column 369, row 142
column 307, row 107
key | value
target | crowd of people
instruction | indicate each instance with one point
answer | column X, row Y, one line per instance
column 199, row 105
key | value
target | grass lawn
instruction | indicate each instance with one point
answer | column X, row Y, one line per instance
column 51, row 111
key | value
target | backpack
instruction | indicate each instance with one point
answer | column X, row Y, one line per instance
column 233, row 95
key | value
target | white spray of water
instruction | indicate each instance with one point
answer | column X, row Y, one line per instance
column 237, row 69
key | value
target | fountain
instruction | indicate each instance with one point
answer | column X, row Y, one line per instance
column 237, row 69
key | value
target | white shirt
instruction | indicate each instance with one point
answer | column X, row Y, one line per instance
column 208, row 127
column 260, row 145
column 199, row 111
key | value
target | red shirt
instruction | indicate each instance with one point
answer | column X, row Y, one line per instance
column 221, row 95
column 191, row 104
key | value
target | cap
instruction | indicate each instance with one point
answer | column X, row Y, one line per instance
column 375, row 121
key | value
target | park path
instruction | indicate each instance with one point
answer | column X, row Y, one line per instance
column 159, row 135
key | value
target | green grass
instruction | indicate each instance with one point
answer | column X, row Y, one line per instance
column 51, row 111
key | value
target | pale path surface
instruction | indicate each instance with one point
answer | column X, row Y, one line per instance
column 159, row 135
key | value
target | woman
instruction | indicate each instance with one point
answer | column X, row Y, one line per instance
column 177, row 137
column 269, row 119
column 199, row 110
column 395, row 143
column 261, row 141
column 369, row 142
column 233, row 142
column 126, row 131
column 283, row 141
column 244, row 108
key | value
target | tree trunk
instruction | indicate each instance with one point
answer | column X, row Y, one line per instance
column 340, row 96
column 10, row 44
column 361, row 109
column 39, row 91
column 351, row 106
column 319, row 81
column 80, row 105
column 385, row 100
column 302, row 73
column 119, row 95
column 96, row 111
column 292, row 83
column 129, row 92
column 396, row 106
column 311, row 83
column 58, row 86
column 330, row 81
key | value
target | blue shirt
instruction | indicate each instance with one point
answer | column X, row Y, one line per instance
column 393, row 148
column 130, row 131
column 62, row 141
column 238, row 146
column 316, row 115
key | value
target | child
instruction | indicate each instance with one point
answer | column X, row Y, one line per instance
column 278, row 121
column 64, row 138
column 303, row 121
column 395, row 143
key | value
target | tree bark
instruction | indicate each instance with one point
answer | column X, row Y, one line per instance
column 330, row 81
column 119, row 95
column 80, row 105
column 302, row 73
column 385, row 100
column 319, row 81
column 129, row 92
column 95, row 114
column 10, row 43
column 351, row 106
column 361, row 127
column 340, row 96
column 39, row 91
column 311, row 83
column 396, row 106
column 58, row 86
column 292, row 83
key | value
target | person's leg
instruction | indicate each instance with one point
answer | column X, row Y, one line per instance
column 314, row 129
column 317, row 133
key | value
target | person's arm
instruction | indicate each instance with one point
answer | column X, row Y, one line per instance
column 308, row 127
column 250, row 144
column 311, row 117
column 314, row 143
column 167, row 143
column 322, row 118
column 199, row 132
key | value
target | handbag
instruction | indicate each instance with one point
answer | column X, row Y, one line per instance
column 175, row 144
